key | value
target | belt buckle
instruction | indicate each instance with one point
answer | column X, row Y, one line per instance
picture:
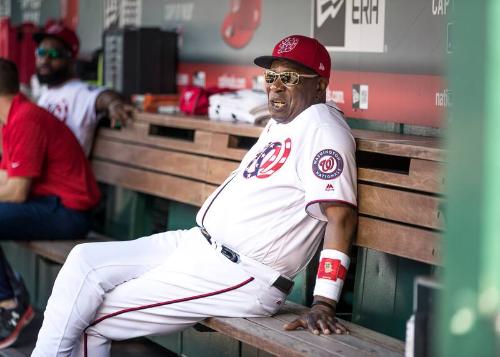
column 230, row 254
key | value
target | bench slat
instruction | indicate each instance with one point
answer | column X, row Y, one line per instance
column 170, row 162
column 400, row 206
column 166, row 186
column 203, row 142
column 424, row 175
column 355, row 330
column 397, row 239
column 56, row 251
column 419, row 147
column 361, row 341
column 263, row 338
column 367, row 140
column 345, row 345
column 138, row 132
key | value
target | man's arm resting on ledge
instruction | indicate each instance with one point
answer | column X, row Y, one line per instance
column 113, row 104
column 342, row 222
column 14, row 189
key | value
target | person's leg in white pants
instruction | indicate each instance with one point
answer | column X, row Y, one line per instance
column 91, row 270
column 196, row 282
column 183, row 277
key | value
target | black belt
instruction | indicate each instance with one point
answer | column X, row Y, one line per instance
column 283, row 284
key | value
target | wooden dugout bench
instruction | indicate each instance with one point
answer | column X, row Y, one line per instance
column 184, row 159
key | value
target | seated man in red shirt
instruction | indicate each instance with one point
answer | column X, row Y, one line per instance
column 46, row 189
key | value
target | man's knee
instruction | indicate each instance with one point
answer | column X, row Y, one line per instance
column 81, row 254
column 10, row 210
column 14, row 220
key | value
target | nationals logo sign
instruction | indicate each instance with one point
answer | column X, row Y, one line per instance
column 327, row 164
column 269, row 160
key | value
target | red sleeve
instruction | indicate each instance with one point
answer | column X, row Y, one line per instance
column 26, row 150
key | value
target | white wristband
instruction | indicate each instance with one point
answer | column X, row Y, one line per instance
column 332, row 269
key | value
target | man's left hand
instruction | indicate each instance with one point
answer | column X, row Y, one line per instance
column 119, row 113
column 320, row 319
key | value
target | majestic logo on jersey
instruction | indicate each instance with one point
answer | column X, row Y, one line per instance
column 269, row 160
column 327, row 164
column 329, row 187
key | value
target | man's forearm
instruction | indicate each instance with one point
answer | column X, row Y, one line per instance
column 15, row 189
column 340, row 229
column 105, row 99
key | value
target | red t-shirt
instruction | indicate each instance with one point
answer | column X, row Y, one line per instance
column 37, row 145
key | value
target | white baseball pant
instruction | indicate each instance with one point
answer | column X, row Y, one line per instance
column 153, row 285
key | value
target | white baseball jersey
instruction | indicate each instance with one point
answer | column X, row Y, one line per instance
column 268, row 209
column 74, row 104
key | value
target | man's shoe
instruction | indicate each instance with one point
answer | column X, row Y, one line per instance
column 12, row 321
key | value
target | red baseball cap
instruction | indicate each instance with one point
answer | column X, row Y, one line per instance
column 303, row 50
column 59, row 31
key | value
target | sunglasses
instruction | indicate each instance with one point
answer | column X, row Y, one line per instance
column 287, row 78
column 51, row 53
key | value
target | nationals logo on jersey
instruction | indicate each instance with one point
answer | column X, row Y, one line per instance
column 269, row 160
column 327, row 164
column 59, row 110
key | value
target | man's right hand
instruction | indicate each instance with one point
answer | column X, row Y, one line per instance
column 320, row 319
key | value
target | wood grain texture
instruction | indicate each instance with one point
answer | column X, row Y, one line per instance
column 400, row 206
column 176, row 163
column 205, row 143
column 424, row 175
column 165, row 161
column 355, row 330
column 383, row 142
column 139, row 133
column 397, row 239
column 219, row 170
column 166, row 186
column 266, row 333
column 419, row 147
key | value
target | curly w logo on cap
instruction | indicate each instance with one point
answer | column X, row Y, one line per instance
column 288, row 44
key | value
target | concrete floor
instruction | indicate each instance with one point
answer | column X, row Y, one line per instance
column 131, row 348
